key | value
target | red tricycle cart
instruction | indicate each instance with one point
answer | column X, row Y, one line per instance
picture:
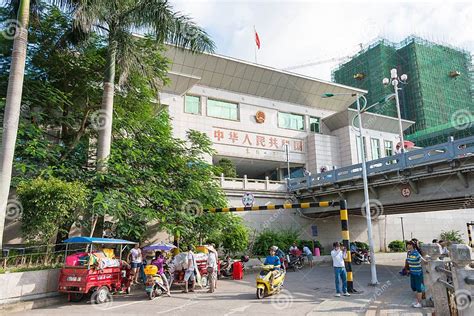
column 95, row 271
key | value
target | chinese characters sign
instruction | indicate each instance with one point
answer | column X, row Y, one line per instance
column 247, row 139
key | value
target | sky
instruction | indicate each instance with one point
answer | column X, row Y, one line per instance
column 294, row 33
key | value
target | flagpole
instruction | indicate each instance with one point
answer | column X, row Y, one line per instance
column 254, row 34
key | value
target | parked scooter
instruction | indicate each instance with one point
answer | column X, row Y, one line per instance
column 360, row 256
column 269, row 283
column 295, row 262
column 227, row 266
column 154, row 285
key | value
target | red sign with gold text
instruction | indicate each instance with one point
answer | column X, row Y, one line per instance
column 247, row 139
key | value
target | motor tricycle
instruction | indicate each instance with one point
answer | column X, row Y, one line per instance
column 269, row 281
column 154, row 285
column 95, row 271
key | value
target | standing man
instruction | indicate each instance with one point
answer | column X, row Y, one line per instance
column 212, row 268
column 294, row 247
column 338, row 254
column 309, row 255
column 189, row 274
column 136, row 259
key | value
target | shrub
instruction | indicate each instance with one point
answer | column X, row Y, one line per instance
column 453, row 236
column 284, row 239
column 397, row 246
column 361, row 245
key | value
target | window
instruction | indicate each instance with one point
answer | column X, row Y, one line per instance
column 192, row 104
column 291, row 121
column 388, row 145
column 314, row 124
column 358, row 148
column 222, row 109
column 375, row 148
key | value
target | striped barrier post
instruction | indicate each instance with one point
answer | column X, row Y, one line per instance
column 345, row 240
column 271, row 207
column 469, row 232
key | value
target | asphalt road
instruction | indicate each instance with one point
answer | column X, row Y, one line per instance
column 307, row 292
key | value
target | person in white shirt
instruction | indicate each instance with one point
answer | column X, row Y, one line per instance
column 294, row 247
column 135, row 258
column 308, row 255
column 212, row 268
column 338, row 254
column 189, row 274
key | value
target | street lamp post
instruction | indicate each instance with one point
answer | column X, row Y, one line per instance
column 373, row 268
column 394, row 80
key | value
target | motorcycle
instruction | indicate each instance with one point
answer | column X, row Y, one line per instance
column 154, row 285
column 268, row 285
column 227, row 266
column 360, row 256
column 295, row 262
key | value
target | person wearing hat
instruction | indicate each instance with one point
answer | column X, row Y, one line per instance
column 212, row 268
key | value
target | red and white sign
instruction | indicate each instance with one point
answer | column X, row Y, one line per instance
column 406, row 191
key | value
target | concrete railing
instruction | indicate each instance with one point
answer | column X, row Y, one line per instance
column 450, row 283
column 246, row 184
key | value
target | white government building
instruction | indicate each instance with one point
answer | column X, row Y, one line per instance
column 251, row 111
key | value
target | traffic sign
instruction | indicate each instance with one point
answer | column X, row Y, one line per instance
column 406, row 191
column 248, row 199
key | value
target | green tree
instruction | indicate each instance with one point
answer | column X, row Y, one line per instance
column 118, row 19
column 227, row 167
column 50, row 206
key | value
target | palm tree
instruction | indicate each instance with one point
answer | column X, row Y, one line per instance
column 118, row 20
column 12, row 105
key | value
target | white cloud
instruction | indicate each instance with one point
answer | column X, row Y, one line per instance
column 298, row 32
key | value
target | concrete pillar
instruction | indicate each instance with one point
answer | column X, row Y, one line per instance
column 267, row 183
column 435, row 290
column 463, row 278
column 222, row 179
column 245, row 182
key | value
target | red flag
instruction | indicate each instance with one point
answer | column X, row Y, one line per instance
column 257, row 39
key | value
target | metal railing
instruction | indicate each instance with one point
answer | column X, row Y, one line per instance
column 451, row 150
column 25, row 258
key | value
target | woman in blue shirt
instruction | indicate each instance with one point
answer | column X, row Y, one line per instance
column 413, row 260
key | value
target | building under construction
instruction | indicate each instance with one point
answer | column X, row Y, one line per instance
column 438, row 95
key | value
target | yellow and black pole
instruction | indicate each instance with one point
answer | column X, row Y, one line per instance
column 469, row 232
column 271, row 207
column 346, row 242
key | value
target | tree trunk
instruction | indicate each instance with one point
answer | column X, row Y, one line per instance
column 105, row 115
column 12, row 109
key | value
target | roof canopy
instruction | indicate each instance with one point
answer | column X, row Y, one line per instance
column 238, row 76
column 370, row 120
column 95, row 240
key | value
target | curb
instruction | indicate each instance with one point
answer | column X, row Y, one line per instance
column 28, row 304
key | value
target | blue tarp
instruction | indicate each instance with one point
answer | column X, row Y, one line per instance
column 95, row 240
